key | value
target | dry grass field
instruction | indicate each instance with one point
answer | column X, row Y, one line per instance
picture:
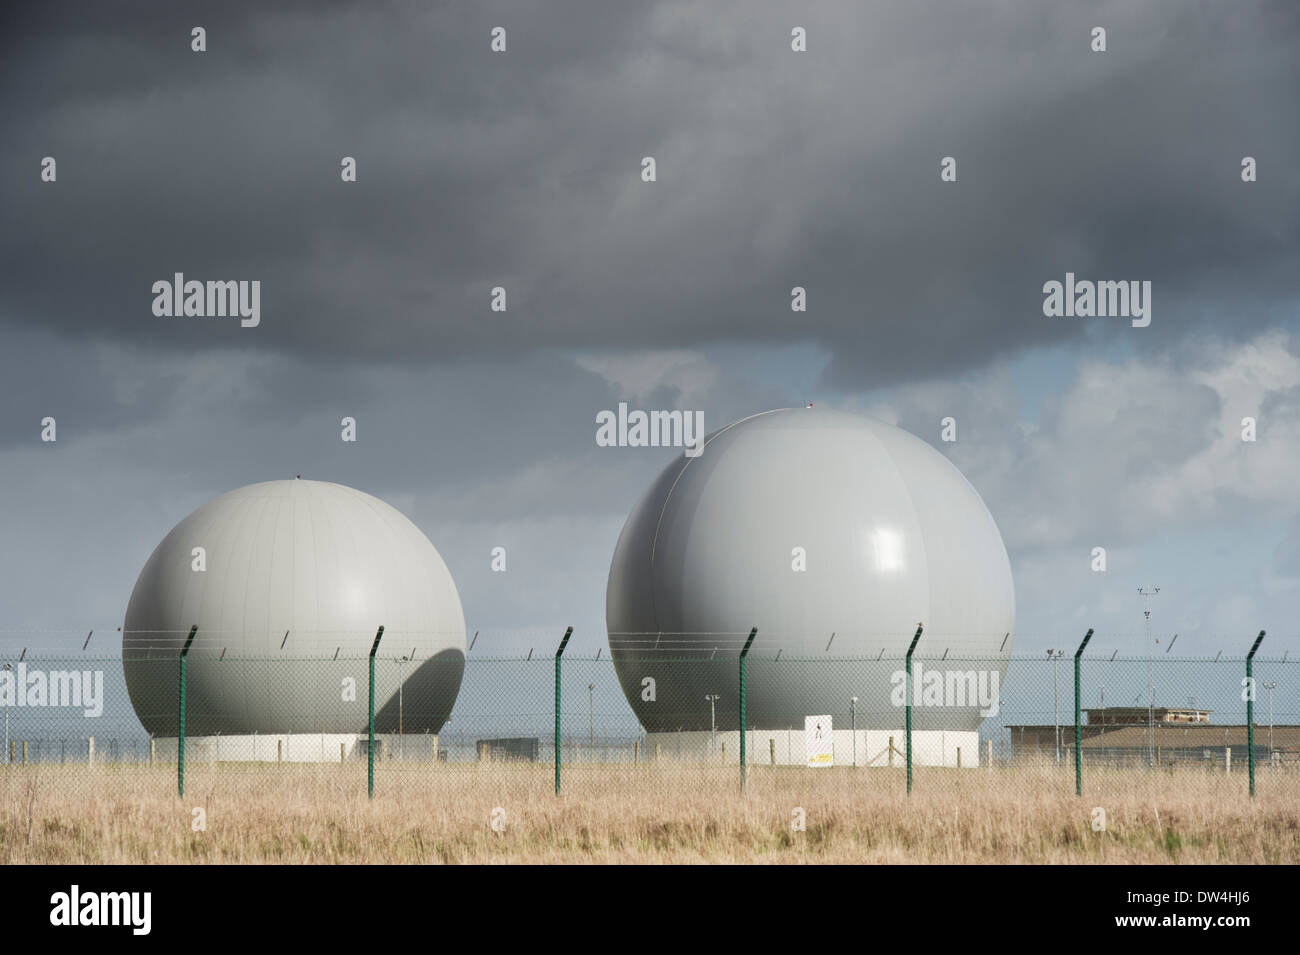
column 640, row 814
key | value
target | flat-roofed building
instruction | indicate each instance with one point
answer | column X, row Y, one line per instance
column 1123, row 735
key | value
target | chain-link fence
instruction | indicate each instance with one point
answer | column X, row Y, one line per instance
column 649, row 722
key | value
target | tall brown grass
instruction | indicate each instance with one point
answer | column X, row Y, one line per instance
column 648, row 813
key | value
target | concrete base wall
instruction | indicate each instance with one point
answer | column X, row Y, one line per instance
column 929, row 747
column 296, row 748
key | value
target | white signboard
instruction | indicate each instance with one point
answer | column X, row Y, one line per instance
column 817, row 740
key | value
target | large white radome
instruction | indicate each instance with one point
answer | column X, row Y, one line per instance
column 329, row 565
column 891, row 532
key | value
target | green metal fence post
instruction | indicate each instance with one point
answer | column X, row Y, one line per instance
column 564, row 642
column 180, row 733
column 748, row 643
column 1250, row 709
column 370, row 748
column 1078, row 715
column 916, row 638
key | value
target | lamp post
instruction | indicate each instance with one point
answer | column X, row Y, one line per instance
column 1002, row 728
column 1270, row 687
column 591, row 717
column 1055, row 657
column 401, row 731
column 7, row 667
column 853, row 726
column 1146, row 593
column 713, row 722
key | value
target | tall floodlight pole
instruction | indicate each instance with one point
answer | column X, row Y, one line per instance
column 713, row 722
column 1146, row 593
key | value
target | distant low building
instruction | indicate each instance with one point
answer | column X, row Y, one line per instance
column 511, row 748
column 1139, row 715
column 1134, row 734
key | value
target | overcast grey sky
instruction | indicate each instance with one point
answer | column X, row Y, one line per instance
column 775, row 169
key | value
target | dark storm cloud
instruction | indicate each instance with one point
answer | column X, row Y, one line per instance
column 522, row 170
column 479, row 454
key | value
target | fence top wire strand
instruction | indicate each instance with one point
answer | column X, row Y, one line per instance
column 642, row 655
column 692, row 644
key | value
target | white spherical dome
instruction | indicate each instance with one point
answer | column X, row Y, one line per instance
column 805, row 523
column 328, row 565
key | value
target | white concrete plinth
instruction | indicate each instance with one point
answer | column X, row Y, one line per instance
column 297, row 748
column 929, row 747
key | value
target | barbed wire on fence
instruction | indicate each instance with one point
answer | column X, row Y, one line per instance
column 672, row 718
